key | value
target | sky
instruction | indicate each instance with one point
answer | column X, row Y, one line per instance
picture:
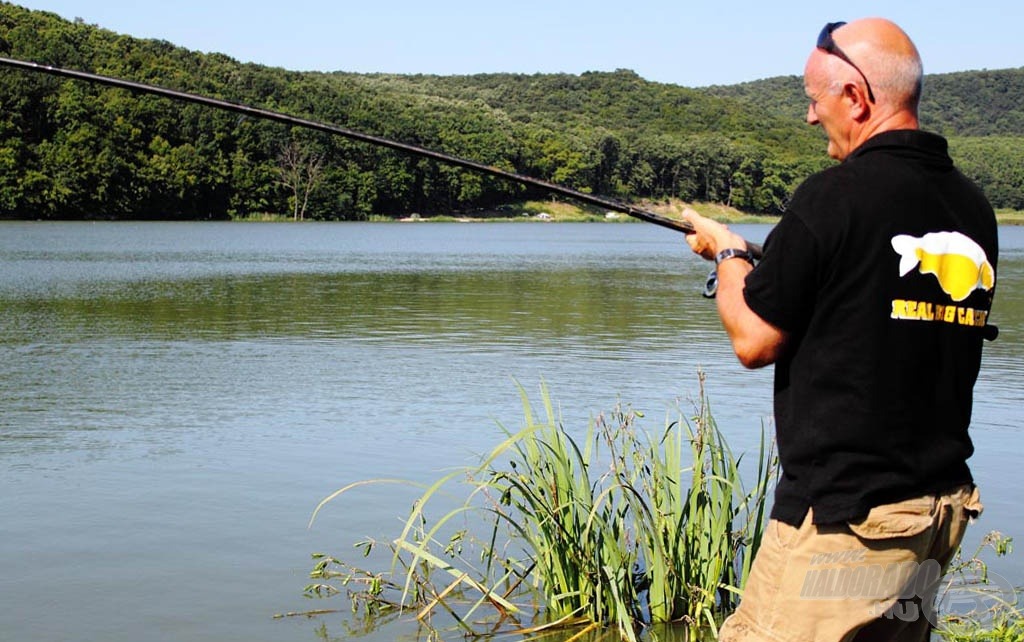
column 693, row 43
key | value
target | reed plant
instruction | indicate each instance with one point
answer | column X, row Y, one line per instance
column 611, row 531
column 697, row 538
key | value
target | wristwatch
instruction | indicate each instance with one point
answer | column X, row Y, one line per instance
column 734, row 253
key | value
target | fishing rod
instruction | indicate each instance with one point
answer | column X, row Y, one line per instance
column 590, row 199
column 611, row 204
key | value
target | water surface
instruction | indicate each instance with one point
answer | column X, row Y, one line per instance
column 178, row 397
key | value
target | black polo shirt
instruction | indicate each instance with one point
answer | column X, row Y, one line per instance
column 882, row 271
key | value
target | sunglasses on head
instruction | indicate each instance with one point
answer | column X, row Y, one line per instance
column 829, row 46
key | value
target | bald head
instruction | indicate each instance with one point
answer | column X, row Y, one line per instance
column 887, row 57
column 865, row 81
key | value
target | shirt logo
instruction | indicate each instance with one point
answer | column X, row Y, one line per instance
column 959, row 263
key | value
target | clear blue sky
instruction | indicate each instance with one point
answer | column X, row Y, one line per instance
column 686, row 42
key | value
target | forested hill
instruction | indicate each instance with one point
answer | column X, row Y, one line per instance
column 619, row 101
column 979, row 111
column 967, row 103
column 69, row 149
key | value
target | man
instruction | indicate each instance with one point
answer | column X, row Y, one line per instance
column 872, row 300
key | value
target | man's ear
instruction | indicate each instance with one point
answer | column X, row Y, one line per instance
column 857, row 101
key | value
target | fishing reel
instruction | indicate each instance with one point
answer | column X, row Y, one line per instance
column 711, row 284
column 750, row 254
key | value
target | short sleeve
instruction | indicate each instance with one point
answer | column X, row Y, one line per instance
column 782, row 289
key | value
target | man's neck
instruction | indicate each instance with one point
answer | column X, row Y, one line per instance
column 898, row 120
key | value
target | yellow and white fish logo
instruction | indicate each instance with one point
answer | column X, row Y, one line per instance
column 956, row 260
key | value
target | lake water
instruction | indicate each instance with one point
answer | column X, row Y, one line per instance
column 177, row 398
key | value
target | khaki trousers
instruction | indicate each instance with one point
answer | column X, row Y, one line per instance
column 873, row 579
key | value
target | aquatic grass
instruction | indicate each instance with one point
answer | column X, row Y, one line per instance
column 573, row 527
column 612, row 530
column 698, row 539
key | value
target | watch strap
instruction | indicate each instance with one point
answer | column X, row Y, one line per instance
column 734, row 253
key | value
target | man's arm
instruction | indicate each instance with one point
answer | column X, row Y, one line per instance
column 756, row 342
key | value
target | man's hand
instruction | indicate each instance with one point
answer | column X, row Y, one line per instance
column 710, row 237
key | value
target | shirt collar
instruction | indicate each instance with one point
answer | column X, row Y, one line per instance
column 915, row 139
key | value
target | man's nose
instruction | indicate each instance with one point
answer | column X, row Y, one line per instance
column 812, row 116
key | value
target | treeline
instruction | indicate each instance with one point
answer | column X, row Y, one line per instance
column 70, row 149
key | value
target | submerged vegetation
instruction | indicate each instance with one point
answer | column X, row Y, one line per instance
column 612, row 532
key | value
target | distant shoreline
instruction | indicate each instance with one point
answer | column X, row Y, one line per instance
column 530, row 212
column 563, row 212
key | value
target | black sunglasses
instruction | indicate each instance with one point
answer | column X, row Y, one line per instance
column 829, row 46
